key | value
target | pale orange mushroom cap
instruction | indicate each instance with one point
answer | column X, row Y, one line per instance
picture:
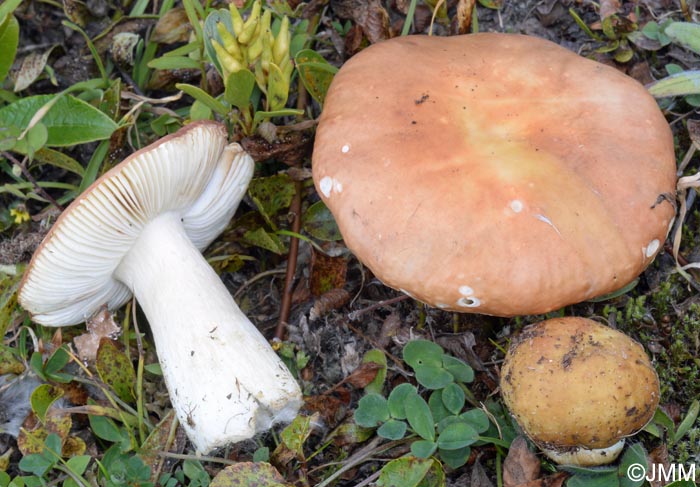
column 494, row 173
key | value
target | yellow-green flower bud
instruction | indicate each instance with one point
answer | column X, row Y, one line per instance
column 229, row 64
column 230, row 43
column 287, row 67
column 236, row 19
column 251, row 24
column 255, row 49
column 280, row 49
column 266, row 55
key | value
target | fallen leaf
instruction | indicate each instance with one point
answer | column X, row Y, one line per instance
column 464, row 16
column 368, row 14
column 30, row 69
column 100, row 325
column 333, row 299
column 609, row 8
column 260, row 474
column 364, row 374
column 521, row 465
column 327, row 272
column 172, row 27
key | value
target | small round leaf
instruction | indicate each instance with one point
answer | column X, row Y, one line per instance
column 432, row 377
column 477, row 419
column 459, row 370
column 397, row 400
column 423, row 449
column 437, row 407
column 392, row 430
column 423, row 352
column 457, row 436
column 419, row 417
column 371, row 410
column 453, row 398
column 455, row 458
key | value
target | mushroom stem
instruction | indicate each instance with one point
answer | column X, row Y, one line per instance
column 586, row 457
column 225, row 381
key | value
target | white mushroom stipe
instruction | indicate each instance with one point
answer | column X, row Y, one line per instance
column 516, row 206
column 469, row 302
column 139, row 229
column 585, row 456
column 326, row 186
column 226, row 383
column 651, row 249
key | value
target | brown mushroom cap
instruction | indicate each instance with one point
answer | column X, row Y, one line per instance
column 572, row 382
column 494, row 173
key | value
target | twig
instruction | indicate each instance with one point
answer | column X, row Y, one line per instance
column 255, row 278
column 200, row 458
column 354, row 315
column 31, row 179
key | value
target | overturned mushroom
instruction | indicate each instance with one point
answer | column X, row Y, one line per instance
column 577, row 388
column 139, row 229
column 494, row 173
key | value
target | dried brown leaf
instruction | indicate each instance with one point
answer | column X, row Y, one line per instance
column 521, row 465
column 333, row 299
column 364, row 374
column 327, row 272
column 464, row 15
column 372, row 18
column 172, row 27
column 608, row 8
column 100, row 325
column 30, row 69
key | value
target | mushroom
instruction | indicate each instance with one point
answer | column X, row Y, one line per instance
column 139, row 229
column 494, row 173
column 577, row 388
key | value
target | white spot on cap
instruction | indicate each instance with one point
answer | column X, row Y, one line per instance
column 516, row 206
column 442, row 305
column 468, row 302
column 465, row 291
column 651, row 248
column 326, row 185
column 546, row 220
column 337, row 186
column 345, row 149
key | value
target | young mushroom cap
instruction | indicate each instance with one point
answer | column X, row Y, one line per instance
column 494, row 173
column 577, row 388
column 140, row 229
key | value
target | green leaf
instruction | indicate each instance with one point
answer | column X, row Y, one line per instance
column 36, row 137
column 397, row 400
column 393, row 429
column 105, row 428
column 458, row 435
column 42, row 398
column 419, row 417
column 174, row 62
column 285, row 112
column 296, row 433
column 437, row 407
column 455, row 458
column 249, row 473
column 423, row 448
column 685, row 83
column 59, row 160
column 423, row 352
column 599, row 479
column 477, row 419
column 79, row 463
column 685, row 34
column 55, row 364
column 320, row 224
column 453, row 398
column 9, row 40
column 210, row 32
column 406, row 471
column 115, row 370
column 315, row 73
column 264, row 239
column 688, row 421
column 69, row 121
column 271, row 195
column 239, row 88
column 432, row 377
column 7, row 7
column 459, row 370
column 634, row 457
column 371, row 410
column 204, row 97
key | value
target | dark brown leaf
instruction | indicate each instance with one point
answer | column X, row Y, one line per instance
column 521, row 465
column 327, row 272
column 333, row 299
column 364, row 374
column 368, row 14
